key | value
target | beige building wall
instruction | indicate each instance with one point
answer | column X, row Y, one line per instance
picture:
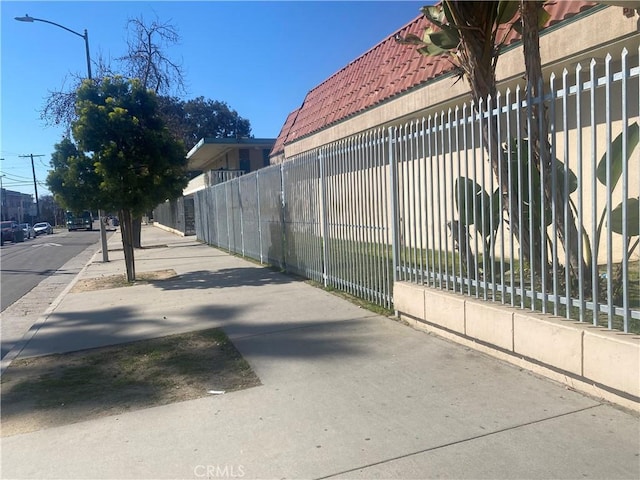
column 562, row 48
column 427, row 191
column 426, row 186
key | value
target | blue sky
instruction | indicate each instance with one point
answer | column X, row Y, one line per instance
column 259, row 57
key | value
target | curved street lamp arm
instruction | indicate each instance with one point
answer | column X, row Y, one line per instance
column 29, row 19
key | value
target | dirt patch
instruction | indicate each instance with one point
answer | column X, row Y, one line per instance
column 120, row 280
column 54, row 390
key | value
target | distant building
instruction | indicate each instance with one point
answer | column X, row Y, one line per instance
column 220, row 159
column 17, row 206
column 212, row 161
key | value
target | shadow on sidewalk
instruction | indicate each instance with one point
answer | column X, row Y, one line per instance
column 224, row 278
column 280, row 335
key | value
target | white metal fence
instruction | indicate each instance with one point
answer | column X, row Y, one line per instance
column 455, row 201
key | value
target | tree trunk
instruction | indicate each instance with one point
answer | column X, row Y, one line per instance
column 477, row 59
column 137, row 232
column 538, row 138
column 126, row 228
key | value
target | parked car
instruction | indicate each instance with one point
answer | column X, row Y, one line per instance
column 28, row 230
column 11, row 232
column 43, row 227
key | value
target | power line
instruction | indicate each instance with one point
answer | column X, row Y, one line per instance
column 17, row 184
column 17, row 178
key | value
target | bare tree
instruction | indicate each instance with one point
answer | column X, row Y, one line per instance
column 147, row 58
column 59, row 105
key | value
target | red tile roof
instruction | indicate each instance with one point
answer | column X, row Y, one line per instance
column 278, row 147
column 387, row 70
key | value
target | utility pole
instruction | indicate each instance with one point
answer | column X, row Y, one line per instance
column 35, row 183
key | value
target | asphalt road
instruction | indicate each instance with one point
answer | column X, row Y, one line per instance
column 24, row 265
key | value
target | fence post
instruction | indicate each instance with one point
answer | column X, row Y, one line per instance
column 393, row 180
column 241, row 215
column 229, row 211
column 258, row 206
column 625, row 196
column 283, row 206
column 214, row 209
column 325, row 222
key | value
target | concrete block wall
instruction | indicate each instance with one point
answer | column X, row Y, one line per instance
column 594, row 360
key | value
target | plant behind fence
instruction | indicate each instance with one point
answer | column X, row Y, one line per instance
column 419, row 202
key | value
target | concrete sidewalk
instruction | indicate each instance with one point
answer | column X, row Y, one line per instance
column 345, row 393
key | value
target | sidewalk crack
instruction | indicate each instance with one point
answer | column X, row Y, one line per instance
column 458, row 442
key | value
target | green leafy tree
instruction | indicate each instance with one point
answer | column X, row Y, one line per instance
column 136, row 161
column 147, row 59
column 72, row 178
column 50, row 210
column 198, row 118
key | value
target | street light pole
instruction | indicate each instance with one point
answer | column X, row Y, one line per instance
column 85, row 37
